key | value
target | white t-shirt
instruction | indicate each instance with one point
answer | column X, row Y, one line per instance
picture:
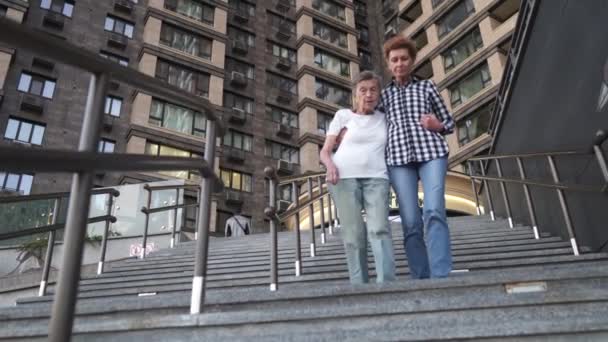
column 361, row 153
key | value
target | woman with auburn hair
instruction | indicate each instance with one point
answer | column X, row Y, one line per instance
column 357, row 179
column 417, row 120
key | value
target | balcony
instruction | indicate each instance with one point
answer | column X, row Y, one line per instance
column 283, row 63
column 118, row 40
column 32, row 103
column 124, row 6
column 284, row 131
column 237, row 116
column 235, row 155
column 239, row 47
column 233, row 198
column 504, row 10
column 238, row 79
column 284, row 96
column 284, row 167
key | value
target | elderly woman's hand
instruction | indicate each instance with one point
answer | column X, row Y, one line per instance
column 332, row 174
column 429, row 121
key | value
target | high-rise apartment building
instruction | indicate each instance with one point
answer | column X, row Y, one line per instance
column 275, row 71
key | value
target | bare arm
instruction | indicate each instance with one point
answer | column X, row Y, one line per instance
column 332, row 170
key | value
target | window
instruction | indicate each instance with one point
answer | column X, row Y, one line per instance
column 37, row 85
column 155, row 149
column 436, row 2
column 329, row 8
column 327, row 33
column 16, row 182
column 281, row 83
column 392, row 26
column 119, row 26
column 363, row 34
column 281, row 51
column 332, row 63
column 282, row 24
column 242, row 36
column 323, row 121
column 331, row 93
column 106, row 146
column 282, row 116
column 24, row 131
column 455, row 17
column 65, row 7
column 462, row 49
column 246, row 69
column 279, row 151
column 421, row 39
column 242, row 7
column 366, row 61
column 115, row 58
column 236, row 180
column 238, row 140
column 236, row 101
column 113, row 106
column 193, row 9
column 185, row 41
column 470, row 85
column 474, row 124
column 177, row 118
column 187, row 79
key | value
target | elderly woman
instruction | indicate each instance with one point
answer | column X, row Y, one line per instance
column 358, row 179
column 416, row 150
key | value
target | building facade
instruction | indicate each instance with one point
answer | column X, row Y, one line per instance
column 275, row 71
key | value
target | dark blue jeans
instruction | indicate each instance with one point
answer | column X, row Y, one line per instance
column 432, row 258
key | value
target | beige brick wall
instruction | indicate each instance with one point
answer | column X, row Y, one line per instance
column 306, row 55
column 152, row 31
column 304, row 26
column 218, row 54
column 140, row 110
column 147, row 64
column 306, row 87
column 15, row 15
column 309, row 157
column 136, row 145
column 307, row 121
column 216, row 90
column 5, row 62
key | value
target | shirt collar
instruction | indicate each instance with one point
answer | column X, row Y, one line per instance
column 412, row 80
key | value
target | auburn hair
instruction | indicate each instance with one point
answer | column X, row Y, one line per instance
column 400, row 42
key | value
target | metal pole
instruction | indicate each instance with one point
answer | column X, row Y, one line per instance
column 564, row 205
column 331, row 217
column 488, row 196
column 336, row 218
column 531, row 210
column 311, row 219
column 184, row 220
column 49, row 250
column 204, row 215
column 172, row 244
column 474, row 186
column 600, row 137
column 145, row 239
column 104, row 240
column 196, row 218
column 296, row 201
column 322, row 211
column 62, row 314
column 271, row 213
column 503, row 189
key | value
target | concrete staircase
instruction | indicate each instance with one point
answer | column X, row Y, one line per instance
column 507, row 286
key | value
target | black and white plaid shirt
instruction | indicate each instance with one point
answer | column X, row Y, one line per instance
column 404, row 105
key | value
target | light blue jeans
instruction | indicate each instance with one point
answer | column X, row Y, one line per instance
column 351, row 195
column 437, row 262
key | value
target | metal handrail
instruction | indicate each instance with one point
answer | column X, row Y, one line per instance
column 56, row 195
column 52, row 227
column 596, row 150
column 86, row 161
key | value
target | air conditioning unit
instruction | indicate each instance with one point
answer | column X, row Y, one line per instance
column 239, row 47
column 282, row 205
column 284, row 130
column 233, row 197
column 284, row 166
column 235, row 155
column 32, row 103
column 283, row 63
column 238, row 116
column 284, row 31
column 108, row 122
column 283, row 5
column 124, row 5
column 284, row 96
column 241, row 16
column 238, row 79
column 54, row 19
column 118, row 40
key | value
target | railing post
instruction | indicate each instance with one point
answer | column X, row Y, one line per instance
column 296, row 200
column 49, row 250
column 184, row 220
column 531, row 210
column 196, row 218
column 172, row 244
column 271, row 212
column 104, row 239
column 322, row 211
column 146, row 224
column 204, row 214
column 505, row 198
column 331, row 216
column 336, row 218
column 488, row 196
column 474, row 186
column 600, row 137
column 564, row 205
column 311, row 219
column 62, row 316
